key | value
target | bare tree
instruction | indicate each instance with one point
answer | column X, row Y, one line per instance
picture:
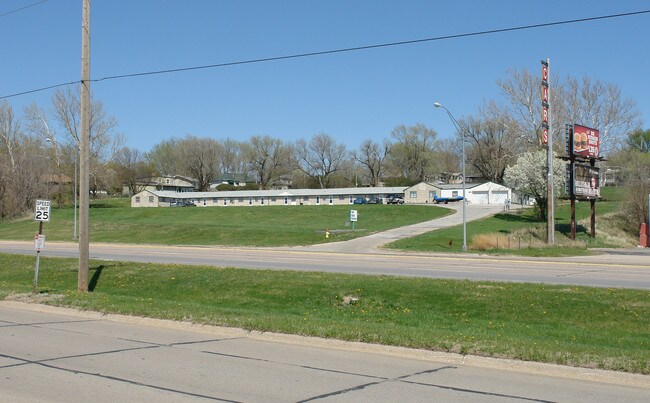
column 411, row 155
column 267, row 158
column 104, row 141
column 131, row 169
column 447, row 158
column 600, row 106
column 23, row 165
column 10, row 134
column 232, row 160
column 588, row 102
column 201, row 157
column 492, row 145
column 166, row 158
column 320, row 158
column 372, row 157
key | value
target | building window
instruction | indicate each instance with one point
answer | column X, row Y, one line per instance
column 331, row 199
column 454, row 193
column 432, row 194
column 137, row 199
column 273, row 199
column 240, row 200
column 262, row 201
column 341, row 197
column 150, row 199
column 317, row 199
column 286, row 200
column 351, row 199
column 306, row 198
column 414, row 195
column 250, row 201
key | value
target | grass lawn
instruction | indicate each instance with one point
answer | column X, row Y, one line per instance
column 581, row 326
column 519, row 231
column 113, row 220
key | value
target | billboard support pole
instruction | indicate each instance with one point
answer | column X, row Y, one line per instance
column 592, row 162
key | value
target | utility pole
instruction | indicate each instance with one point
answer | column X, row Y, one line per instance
column 546, row 120
column 84, row 160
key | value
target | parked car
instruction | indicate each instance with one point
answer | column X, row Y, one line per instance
column 395, row 199
column 360, row 200
column 182, row 203
column 375, row 200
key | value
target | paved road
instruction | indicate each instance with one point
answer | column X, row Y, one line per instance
column 53, row 355
column 631, row 271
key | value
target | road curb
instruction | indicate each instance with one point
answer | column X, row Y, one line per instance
column 527, row 367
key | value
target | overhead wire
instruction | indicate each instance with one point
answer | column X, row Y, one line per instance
column 342, row 50
column 22, row 8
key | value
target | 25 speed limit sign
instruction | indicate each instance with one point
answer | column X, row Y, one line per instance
column 42, row 212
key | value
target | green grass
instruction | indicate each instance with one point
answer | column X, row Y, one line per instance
column 522, row 227
column 113, row 220
column 580, row 326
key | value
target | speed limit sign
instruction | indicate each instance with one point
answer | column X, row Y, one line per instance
column 42, row 212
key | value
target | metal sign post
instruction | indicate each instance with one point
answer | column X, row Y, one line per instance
column 353, row 218
column 41, row 214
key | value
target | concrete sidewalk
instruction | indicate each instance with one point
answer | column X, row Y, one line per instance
column 373, row 243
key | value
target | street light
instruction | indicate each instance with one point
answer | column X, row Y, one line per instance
column 462, row 135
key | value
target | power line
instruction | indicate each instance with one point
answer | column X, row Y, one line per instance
column 342, row 50
column 23, row 8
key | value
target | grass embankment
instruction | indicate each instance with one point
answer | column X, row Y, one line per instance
column 113, row 220
column 590, row 327
column 519, row 231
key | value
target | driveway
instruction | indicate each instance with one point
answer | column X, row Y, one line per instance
column 373, row 243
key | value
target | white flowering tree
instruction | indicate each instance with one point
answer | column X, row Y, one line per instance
column 528, row 176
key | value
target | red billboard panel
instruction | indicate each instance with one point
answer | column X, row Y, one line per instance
column 586, row 142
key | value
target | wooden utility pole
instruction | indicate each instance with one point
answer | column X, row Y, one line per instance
column 84, row 160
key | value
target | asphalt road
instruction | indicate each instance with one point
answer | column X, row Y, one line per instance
column 628, row 271
column 53, row 355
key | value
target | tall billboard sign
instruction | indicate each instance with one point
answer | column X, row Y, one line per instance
column 585, row 142
column 583, row 177
column 545, row 102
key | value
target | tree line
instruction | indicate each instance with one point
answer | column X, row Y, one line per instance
column 38, row 149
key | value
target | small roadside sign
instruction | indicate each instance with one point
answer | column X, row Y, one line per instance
column 39, row 242
column 353, row 215
column 42, row 210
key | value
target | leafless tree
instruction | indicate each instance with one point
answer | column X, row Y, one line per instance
column 166, row 158
column 104, row 141
column 492, row 143
column 201, row 157
column 447, row 158
column 267, row 158
column 131, row 169
column 372, row 158
column 320, row 158
column 588, row 102
column 600, row 106
column 411, row 155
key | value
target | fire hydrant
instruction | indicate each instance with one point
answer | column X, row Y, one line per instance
column 327, row 233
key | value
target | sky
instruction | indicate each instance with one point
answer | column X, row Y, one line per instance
column 352, row 96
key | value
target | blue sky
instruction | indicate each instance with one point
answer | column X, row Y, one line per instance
column 351, row 96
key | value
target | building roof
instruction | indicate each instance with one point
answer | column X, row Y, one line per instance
column 279, row 192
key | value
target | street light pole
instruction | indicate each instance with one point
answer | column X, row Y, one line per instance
column 462, row 135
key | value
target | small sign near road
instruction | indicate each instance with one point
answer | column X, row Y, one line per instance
column 39, row 242
column 353, row 215
column 42, row 211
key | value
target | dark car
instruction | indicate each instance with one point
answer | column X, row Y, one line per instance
column 395, row 199
column 375, row 200
column 360, row 200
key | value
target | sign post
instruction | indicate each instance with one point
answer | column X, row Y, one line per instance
column 353, row 217
column 41, row 215
column 547, row 139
